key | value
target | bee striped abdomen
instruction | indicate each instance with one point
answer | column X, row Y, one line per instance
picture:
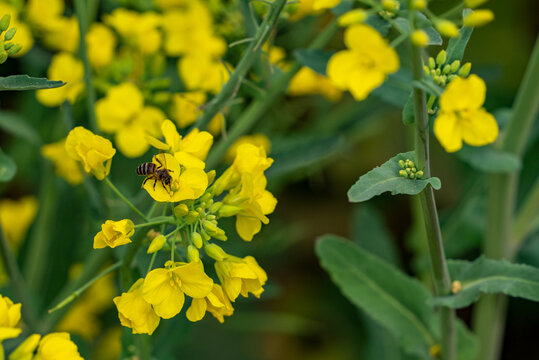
column 146, row 169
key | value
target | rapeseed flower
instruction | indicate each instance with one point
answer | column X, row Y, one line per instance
column 240, row 276
column 135, row 312
column 325, row 4
column 216, row 303
column 57, row 346
column 365, row 64
column 101, row 43
column 44, row 13
column 23, row 36
column 478, row 18
column 254, row 139
column 165, row 288
column 64, row 166
column 10, row 315
column 63, row 35
column 309, row 82
column 185, row 108
column 114, row 233
column 461, row 116
column 202, row 72
column 25, row 351
column 93, row 151
column 65, row 67
column 123, row 113
column 16, row 216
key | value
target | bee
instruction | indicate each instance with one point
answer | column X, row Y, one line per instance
column 155, row 172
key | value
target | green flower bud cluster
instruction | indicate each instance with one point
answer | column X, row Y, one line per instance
column 409, row 170
column 7, row 47
column 443, row 72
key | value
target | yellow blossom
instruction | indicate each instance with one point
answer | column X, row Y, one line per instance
column 25, row 351
column 309, row 82
column 93, row 151
column 134, row 312
column 474, row 3
column 67, row 68
column 114, row 233
column 57, row 346
column 241, row 276
column 366, row 63
column 101, row 43
column 478, row 18
column 254, row 139
column 302, row 9
column 64, row 166
column 141, row 30
column 325, row 4
column 63, row 35
column 23, row 36
column 10, row 315
column 122, row 112
column 202, row 72
column 16, row 216
column 216, row 303
column 165, row 288
column 352, row 17
column 461, row 116
column 185, row 108
column 44, row 13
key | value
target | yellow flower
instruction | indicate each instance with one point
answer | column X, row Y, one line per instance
column 44, row 13
column 101, row 43
column 122, row 112
column 185, row 108
column 255, row 139
column 23, row 36
column 140, row 30
column 67, row 68
column 114, row 233
column 64, row 166
column 186, row 183
column 57, row 346
column 474, row 3
column 239, row 275
column 462, row 117
column 10, row 315
column 134, row 312
column 25, row 351
column 202, row 72
column 325, row 4
column 309, row 82
column 215, row 303
column 366, row 63
column 478, row 18
column 165, row 288
column 63, row 35
column 93, row 151
column 16, row 216
column 352, row 17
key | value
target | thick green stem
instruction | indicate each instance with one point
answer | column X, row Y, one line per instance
column 489, row 313
column 251, row 53
column 527, row 219
column 442, row 282
column 124, row 199
column 259, row 107
column 82, row 17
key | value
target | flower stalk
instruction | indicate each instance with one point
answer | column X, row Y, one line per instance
column 124, row 199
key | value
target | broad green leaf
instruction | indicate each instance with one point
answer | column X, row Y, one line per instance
column 343, row 7
column 25, row 82
column 490, row 276
column 393, row 299
column 16, row 125
column 408, row 116
column 489, row 159
column 299, row 152
column 378, row 23
column 467, row 343
column 396, row 89
column 457, row 45
column 8, row 168
column 317, row 60
column 386, row 178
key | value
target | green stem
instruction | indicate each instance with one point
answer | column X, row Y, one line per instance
column 156, row 221
column 489, row 313
column 231, row 87
column 17, row 283
column 124, row 199
column 82, row 17
column 527, row 219
column 75, row 294
column 151, row 263
column 442, row 282
column 259, row 107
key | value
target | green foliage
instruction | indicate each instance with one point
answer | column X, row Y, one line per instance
column 434, row 37
column 317, row 60
column 457, row 46
column 386, row 178
column 25, row 82
column 17, row 125
column 396, row 89
column 408, row 111
column 490, row 276
column 489, row 159
column 8, row 168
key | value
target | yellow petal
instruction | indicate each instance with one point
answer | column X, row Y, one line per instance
column 339, row 67
column 131, row 141
column 363, row 81
column 464, row 94
column 362, row 37
column 189, row 161
column 194, row 281
column 481, row 129
column 171, row 306
column 197, row 310
column 172, row 138
column 192, row 184
column 247, row 227
column 448, row 132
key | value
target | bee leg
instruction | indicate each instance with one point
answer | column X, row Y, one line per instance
column 160, row 163
column 154, row 182
column 144, row 182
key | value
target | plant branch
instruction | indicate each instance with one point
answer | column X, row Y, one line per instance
column 124, row 199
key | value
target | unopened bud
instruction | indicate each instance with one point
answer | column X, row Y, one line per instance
column 390, row 5
column 211, row 176
column 403, row 173
column 204, row 235
column 156, row 244
column 196, row 239
column 447, row 28
column 456, row 286
column 215, row 252
column 352, row 17
column 455, row 66
column 426, row 70
column 3, row 56
column 419, row 38
column 419, row 174
column 411, row 164
column 4, row 22
column 419, row 4
column 191, row 217
column 411, row 175
column 220, row 235
column 215, row 207
column 432, row 63
column 451, row 77
column 447, row 69
column 192, row 254
column 228, row 210
column 181, row 210
column 209, row 227
column 478, row 18
column 10, row 34
column 465, row 69
column 474, row 3
column 402, row 164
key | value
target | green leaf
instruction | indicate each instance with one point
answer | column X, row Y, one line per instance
column 457, row 45
column 378, row 23
column 25, row 82
column 17, row 125
column 386, row 178
column 343, row 7
column 396, row 89
column 434, row 37
column 408, row 116
column 299, row 152
column 490, row 276
column 489, row 159
column 393, row 299
column 8, row 168
column 317, row 60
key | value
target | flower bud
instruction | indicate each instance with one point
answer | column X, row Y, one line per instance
column 181, row 210
column 192, row 254
column 401, row 164
column 456, row 286
column 411, row 164
column 478, row 18
column 215, row 207
column 419, row 174
column 447, row 69
column 451, row 77
column 432, row 63
column 474, row 3
column 438, row 72
column 447, row 28
column 196, row 239
column 411, row 176
column 3, row 56
column 215, row 252
column 157, row 244
column 209, row 227
column 220, row 235
column 352, row 17
column 211, row 176
column 419, row 38
column 390, row 5
column 10, row 34
column 441, row 58
column 191, row 217
column 455, row 66
column 13, row 50
column 465, row 69
column 228, row 210
column 204, row 235
column 403, row 173
column 427, row 70
column 419, row 4
column 4, row 22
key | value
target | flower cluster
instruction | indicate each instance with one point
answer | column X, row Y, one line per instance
column 408, row 170
column 442, row 72
column 7, row 46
